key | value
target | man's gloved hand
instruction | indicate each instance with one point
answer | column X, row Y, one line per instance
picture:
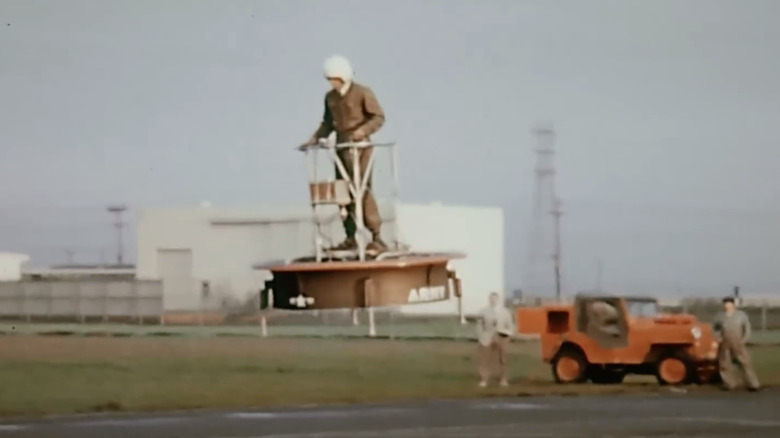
column 308, row 143
column 358, row 135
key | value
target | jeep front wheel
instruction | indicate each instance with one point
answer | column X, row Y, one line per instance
column 673, row 370
column 569, row 366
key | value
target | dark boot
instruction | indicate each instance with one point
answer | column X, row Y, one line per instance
column 376, row 245
column 348, row 244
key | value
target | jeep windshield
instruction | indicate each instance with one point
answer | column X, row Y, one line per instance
column 642, row 308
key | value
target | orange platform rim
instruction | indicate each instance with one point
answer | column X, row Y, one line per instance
column 411, row 260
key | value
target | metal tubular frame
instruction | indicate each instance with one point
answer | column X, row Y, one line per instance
column 357, row 185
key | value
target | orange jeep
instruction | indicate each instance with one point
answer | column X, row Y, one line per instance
column 603, row 338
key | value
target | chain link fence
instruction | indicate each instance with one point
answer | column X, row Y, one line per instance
column 764, row 313
column 131, row 307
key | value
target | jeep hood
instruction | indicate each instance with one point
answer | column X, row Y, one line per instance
column 680, row 319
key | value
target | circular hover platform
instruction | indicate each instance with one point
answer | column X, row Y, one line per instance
column 412, row 278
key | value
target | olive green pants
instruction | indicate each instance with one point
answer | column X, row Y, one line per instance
column 370, row 209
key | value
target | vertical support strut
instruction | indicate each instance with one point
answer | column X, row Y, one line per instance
column 357, row 181
column 454, row 282
column 265, row 311
column 395, row 196
column 311, row 164
column 369, row 295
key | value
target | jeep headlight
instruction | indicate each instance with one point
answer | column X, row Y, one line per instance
column 696, row 332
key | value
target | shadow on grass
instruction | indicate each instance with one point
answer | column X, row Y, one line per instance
column 164, row 335
column 109, row 406
column 107, row 335
column 58, row 333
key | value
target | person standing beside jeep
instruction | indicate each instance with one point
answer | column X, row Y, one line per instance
column 494, row 330
column 733, row 327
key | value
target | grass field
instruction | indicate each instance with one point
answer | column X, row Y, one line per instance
column 47, row 375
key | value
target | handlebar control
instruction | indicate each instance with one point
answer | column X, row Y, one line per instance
column 325, row 144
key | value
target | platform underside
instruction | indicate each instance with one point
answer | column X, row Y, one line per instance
column 410, row 279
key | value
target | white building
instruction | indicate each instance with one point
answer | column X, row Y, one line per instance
column 187, row 246
column 11, row 265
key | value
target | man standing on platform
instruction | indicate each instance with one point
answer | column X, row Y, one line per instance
column 354, row 114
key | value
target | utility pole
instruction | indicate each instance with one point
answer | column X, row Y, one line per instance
column 119, row 224
column 557, row 213
column 69, row 255
column 599, row 273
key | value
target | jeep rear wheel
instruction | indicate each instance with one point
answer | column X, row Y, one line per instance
column 569, row 366
column 673, row 370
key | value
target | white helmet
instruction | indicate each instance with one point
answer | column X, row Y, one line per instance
column 338, row 66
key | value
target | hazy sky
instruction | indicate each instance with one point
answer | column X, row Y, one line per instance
column 667, row 116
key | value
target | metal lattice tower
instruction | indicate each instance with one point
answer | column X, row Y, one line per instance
column 542, row 277
column 119, row 225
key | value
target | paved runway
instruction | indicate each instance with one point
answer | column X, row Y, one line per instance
column 712, row 415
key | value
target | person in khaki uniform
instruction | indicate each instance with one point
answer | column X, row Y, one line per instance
column 494, row 330
column 354, row 114
column 733, row 326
